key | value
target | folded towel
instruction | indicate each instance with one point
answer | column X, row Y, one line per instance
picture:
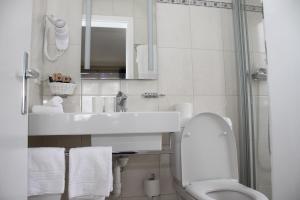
column 46, row 171
column 90, row 173
column 47, row 109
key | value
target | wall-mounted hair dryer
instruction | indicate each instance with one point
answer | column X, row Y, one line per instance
column 61, row 36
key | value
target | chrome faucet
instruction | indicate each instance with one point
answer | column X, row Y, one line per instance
column 121, row 100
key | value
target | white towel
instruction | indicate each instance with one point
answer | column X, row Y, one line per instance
column 46, row 171
column 90, row 173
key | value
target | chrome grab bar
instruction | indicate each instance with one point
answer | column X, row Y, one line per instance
column 27, row 73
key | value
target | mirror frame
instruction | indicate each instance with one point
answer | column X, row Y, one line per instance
column 88, row 20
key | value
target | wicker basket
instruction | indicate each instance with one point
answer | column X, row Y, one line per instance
column 63, row 89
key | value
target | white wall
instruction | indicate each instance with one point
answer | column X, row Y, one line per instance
column 283, row 41
column 39, row 8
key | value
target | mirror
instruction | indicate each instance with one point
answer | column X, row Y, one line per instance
column 118, row 41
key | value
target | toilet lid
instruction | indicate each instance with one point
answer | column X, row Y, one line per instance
column 208, row 149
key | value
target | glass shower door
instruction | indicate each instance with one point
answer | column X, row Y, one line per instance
column 260, row 97
column 255, row 164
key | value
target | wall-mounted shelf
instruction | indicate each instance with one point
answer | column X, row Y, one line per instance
column 62, row 89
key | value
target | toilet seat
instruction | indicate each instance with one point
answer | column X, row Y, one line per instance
column 201, row 190
column 210, row 138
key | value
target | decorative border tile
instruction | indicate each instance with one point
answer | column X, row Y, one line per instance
column 254, row 8
column 184, row 2
column 204, row 3
column 213, row 4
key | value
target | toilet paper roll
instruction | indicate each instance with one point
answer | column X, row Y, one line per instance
column 152, row 188
column 185, row 110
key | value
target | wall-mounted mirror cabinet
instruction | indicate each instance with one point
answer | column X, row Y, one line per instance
column 119, row 40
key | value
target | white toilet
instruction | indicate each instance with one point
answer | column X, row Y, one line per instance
column 204, row 163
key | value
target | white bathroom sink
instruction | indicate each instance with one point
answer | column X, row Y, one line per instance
column 103, row 123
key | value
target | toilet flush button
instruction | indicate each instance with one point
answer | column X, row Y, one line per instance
column 225, row 133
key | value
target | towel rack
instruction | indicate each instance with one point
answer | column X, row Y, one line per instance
column 67, row 153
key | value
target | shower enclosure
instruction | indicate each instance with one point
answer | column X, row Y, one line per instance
column 251, row 57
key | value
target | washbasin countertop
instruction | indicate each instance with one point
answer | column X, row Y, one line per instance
column 103, row 123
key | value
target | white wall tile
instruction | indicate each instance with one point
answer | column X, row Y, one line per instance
column 175, row 71
column 254, row 2
column 138, row 87
column 57, row 7
column 39, row 10
column 123, row 8
column 208, row 72
column 215, row 104
column 36, row 62
column 227, row 29
column 231, row 73
column 100, row 87
column 173, row 26
column 74, row 18
column 102, row 7
column 167, row 103
column 140, row 8
column 141, row 104
column 206, row 29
